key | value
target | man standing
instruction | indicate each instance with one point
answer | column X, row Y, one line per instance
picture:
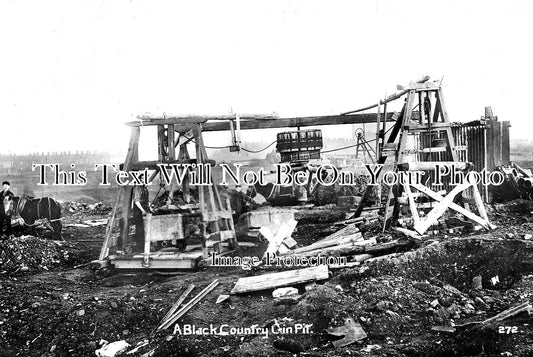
column 141, row 206
column 5, row 211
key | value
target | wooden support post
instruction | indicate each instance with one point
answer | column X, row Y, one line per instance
column 104, row 252
column 131, row 156
column 147, row 239
column 171, row 143
column 412, row 204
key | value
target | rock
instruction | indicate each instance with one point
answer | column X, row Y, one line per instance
column 80, row 312
column 113, row 305
column 112, row 349
column 452, row 290
column 434, row 303
column 489, row 299
column 310, row 286
column 495, row 280
column 351, row 332
column 288, row 300
column 528, row 236
column 224, row 297
column 445, row 301
column 509, row 235
column 283, row 292
column 477, row 283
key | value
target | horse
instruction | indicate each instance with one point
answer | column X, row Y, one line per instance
column 31, row 209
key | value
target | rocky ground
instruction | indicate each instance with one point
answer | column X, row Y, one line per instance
column 50, row 308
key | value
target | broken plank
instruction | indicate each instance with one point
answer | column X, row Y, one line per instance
column 343, row 232
column 290, row 242
column 284, row 231
column 188, row 306
column 328, row 243
column 384, row 247
column 276, row 280
column 177, row 304
column 338, row 250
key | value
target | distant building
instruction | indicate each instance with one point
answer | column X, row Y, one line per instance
column 84, row 160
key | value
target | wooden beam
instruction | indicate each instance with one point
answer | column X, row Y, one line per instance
column 276, row 280
column 181, row 126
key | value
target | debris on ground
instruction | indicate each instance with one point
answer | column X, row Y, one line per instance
column 29, row 253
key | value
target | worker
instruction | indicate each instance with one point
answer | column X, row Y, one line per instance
column 141, row 206
column 5, row 212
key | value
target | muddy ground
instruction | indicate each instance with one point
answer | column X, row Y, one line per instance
column 51, row 308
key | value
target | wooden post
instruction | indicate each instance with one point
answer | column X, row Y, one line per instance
column 132, row 156
column 171, row 144
column 104, row 252
column 147, row 239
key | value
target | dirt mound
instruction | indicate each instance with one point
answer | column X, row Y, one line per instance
column 28, row 253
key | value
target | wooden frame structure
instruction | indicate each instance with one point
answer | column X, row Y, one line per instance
column 216, row 226
column 433, row 145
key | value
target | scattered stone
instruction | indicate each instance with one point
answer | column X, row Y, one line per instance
column 310, row 286
column 477, row 283
column 284, row 292
column 112, row 349
column 495, row 280
column 288, row 300
column 222, row 298
column 351, row 332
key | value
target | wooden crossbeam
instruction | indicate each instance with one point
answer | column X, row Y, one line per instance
column 181, row 126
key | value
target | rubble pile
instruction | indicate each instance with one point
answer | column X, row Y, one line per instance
column 90, row 208
column 29, row 253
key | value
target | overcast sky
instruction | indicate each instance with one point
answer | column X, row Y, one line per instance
column 72, row 72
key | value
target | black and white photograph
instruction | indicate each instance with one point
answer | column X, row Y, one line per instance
column 266, row 178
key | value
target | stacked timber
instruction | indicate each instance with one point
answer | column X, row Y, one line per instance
column 347, row 242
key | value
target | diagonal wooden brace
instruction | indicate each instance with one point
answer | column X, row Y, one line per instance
column 444, row 203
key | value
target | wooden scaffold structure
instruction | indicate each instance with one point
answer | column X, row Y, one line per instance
column 207, row 211
column 421, row 139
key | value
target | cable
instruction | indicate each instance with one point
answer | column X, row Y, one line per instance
column 244, row 149
column 257, row 151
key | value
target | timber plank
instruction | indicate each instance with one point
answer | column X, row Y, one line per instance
column 276, row 280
